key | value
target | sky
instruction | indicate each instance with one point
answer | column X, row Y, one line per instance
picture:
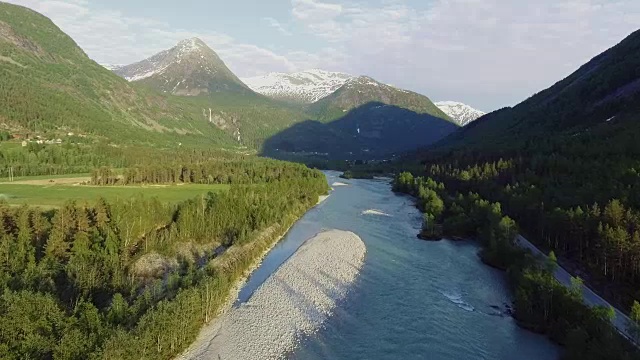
column 486, row 53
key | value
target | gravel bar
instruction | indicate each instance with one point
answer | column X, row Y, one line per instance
column 292, row 303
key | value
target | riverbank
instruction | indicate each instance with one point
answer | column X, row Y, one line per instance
column 232, row 295
column 292, row 303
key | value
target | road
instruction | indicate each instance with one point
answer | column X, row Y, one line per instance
column 620, row 321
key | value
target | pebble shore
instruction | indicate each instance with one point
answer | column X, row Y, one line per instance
column 292, row 303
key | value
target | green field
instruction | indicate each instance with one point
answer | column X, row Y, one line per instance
column 57, row 195
column 5, row 179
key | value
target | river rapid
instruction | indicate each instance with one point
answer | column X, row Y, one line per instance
column 413, row 299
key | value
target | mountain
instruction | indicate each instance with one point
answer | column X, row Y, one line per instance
column 362, row 90
column 371, row 131
column 363, row 119
column 602, row 95
column 190, row 68
column 302, row 87
column 565, row 165
column 462, row 114
column 48, row 85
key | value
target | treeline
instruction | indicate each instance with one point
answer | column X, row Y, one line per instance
column 206, row 172
column 541, row 303
column 134, row 279
column 68, row 158
column 588, row 213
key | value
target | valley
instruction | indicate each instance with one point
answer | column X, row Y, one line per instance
column 187, row 204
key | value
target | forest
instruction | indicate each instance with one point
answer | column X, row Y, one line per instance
column 541, row 303
column 137, row 279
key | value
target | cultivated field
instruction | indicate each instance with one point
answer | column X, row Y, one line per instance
column 55, row 191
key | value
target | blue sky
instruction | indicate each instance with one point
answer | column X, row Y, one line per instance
column 487, row 53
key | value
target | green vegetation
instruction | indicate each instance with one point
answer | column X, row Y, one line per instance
column 542, row 304
column 137, row 278
column 564, row 164
column 57, row 195
column 50, row 86
column 364, row 90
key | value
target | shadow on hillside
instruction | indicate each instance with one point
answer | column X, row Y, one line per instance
column 371, row 131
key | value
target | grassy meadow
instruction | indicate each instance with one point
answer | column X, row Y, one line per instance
column 38, row 191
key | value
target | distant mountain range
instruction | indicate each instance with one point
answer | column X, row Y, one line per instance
column 461, row 113
column 388, row 119
column 313, row 85
column 187, row 96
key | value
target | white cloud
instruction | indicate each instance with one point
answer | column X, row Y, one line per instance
column 110, row 37
column 276, row 25
column 315, row 10
column 487, row 52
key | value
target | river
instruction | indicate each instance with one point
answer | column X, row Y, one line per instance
column 413, row 299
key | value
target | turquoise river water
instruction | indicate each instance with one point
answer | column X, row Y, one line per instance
column 414, row 299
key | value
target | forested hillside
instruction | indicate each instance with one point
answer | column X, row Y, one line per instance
column 49, row 86
column 566, row 165
column 136, row 279
column 604, row 91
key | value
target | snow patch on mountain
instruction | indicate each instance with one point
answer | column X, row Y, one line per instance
column 462, row 114
column 305, row 86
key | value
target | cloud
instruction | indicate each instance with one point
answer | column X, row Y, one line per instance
column 315, row 10
column 276, row 25
column 111, row 37
column 488, row 52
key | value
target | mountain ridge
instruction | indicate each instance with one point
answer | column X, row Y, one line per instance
column 604, row 89
column 361, row 90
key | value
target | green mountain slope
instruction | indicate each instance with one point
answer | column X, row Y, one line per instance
column 363, row 90
column 49, row 85
column 565, row 164
column 185, row 95
column 606, row 90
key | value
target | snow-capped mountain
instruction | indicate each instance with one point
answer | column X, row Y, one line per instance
column 305, row 86
column 189, row 68
column 462, row 114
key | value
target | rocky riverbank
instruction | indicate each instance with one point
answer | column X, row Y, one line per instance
column 292, row 303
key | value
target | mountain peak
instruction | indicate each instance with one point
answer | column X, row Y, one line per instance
column 462, row 114
column 190, row 68
column 192, row 44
